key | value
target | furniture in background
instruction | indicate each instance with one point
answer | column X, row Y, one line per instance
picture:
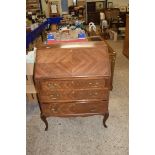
column 122, row 23
column 32, row 35
column 126, row 41
column 53, row 8
column 73, row 79
column 122, row 19
column 116, row 21
column 33, row 6
column 77, row 11
column 93, row 10
column 31, row 96
column 112, row 16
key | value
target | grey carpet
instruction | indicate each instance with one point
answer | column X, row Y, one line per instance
column 85, row 136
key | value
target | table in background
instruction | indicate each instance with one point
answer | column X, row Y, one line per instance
column 31, row 36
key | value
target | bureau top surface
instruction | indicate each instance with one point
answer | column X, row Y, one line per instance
column 72, row 60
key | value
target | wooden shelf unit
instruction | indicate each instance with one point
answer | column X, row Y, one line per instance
column 93, row 9
column 33, row 6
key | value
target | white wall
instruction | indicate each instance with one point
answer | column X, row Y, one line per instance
column 70, row 2
column 44, row 7
column 118, row 3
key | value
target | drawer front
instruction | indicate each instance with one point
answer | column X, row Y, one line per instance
column 57, row 95
column 91, row 94
column 91, row 83
column 74, row 108
column 63, row 95
column 56, row 84
column 84, row 83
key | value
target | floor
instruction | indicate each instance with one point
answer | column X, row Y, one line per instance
column 86, row 136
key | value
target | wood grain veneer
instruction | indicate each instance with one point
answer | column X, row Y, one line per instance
column 73, row 79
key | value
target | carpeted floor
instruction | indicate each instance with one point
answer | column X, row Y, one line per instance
column 86, row 136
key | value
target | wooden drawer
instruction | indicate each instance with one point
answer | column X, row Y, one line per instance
column 74, row 108
column 91, row 94
column 55, row 84
column 64, row 95
column 50, row 85
column 57, row 95
column 90, row 83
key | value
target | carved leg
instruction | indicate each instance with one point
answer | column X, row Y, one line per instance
column 43, row 118
column 106, row 115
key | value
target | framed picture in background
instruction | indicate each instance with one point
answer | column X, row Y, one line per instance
column 110, row 4
column 100, row 5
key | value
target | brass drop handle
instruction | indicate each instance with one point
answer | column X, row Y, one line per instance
column 52, row 84
column 96, row 83
column 95, row 93
column 54, row 110
column 92, row 110
column 91, row 84
column 54, row 96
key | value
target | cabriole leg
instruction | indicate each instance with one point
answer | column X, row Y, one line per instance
column 43, row 118
column 106, row 115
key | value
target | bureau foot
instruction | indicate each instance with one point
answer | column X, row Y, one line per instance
column 43, row 118
column 106, row 115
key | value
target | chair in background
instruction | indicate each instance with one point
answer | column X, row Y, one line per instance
column 112, row 16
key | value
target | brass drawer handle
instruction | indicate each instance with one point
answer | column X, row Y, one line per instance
column 95, row 84
column 92, row 110
column 54, row 110
column 54, row 96
column 52, row 84
column 95, row 93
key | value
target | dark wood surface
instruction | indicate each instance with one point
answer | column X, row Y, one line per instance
column 93, row 12
column 73, row 81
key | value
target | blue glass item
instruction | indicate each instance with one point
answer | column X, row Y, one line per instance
column 50, row 36
column 81, row 35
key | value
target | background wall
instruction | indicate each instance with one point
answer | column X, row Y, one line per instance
column 70, row 2
column 118, row 3
column 44, row 7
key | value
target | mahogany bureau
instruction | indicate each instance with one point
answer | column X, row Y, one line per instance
column 73, row 79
